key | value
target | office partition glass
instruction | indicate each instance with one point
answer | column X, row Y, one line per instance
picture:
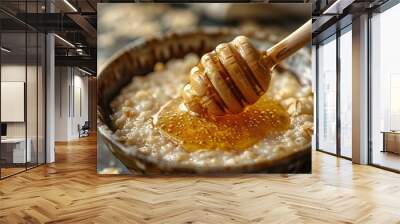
column 345, row 92
column 327, row 95
column 32, row 100
column 41, row 107
column 23, row 89
column 385, row 89
column 15, row 150
column 32, row 97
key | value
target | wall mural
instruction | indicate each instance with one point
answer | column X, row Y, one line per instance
column 204, row 89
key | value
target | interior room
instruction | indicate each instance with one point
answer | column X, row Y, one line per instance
column 385, row 107
column 72, row 109
column 336, row 96
column 48, row 84
column 50, row 171
column 22, row 101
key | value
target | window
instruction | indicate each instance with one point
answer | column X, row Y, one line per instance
column 346, row 92
column 327, row 96
column 385, row 89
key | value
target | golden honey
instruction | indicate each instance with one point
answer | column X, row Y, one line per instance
column 264, row 119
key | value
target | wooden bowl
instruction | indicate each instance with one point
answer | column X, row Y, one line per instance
column 138, row 59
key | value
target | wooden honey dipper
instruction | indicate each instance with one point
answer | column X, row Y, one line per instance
column 236, row 74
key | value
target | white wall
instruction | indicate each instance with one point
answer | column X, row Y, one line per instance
column 13, row 101
column 12, row 73
column 70, row 83
column 33, row 127
column 80, row 110
column 61, row 103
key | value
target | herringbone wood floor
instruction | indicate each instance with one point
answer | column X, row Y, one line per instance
column 70, row 191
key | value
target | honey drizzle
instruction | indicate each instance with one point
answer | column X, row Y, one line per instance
column 264, row 119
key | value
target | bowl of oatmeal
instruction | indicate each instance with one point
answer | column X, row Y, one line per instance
column 139, row 80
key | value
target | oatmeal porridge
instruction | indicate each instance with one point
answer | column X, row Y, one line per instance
column 134, row 111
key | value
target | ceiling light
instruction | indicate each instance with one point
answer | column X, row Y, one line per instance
column 84, row 71
column 5, row 50
column 65, row 41
column 70, row 5
column 332, row 7
column 337, row 7
column 79, row 51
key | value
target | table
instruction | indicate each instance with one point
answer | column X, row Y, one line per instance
column 391, row 141
column 13, row 150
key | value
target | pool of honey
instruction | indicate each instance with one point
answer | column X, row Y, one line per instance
column 264, row 119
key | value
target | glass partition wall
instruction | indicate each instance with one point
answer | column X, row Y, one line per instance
column 334, row 94
column 385, row 89
column 22, row 77
column 327, row 95
column 345, row 90
column 13, row 90
column 334, row 89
